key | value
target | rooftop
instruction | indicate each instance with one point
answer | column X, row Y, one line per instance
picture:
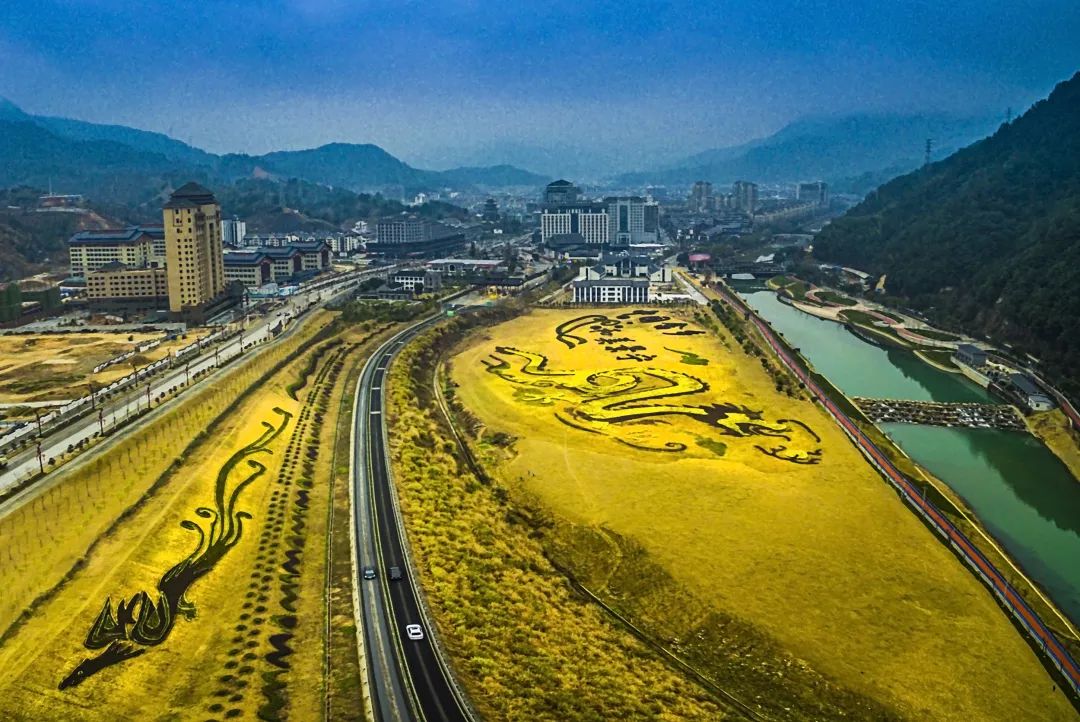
column 466, row 261
column 1025, row 385
column 191, row 195
column 116, row 236
column 614, row 282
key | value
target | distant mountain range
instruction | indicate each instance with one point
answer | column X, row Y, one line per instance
column 987, row 240
column 854, row 153
column 119, row 164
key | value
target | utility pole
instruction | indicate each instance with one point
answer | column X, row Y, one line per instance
column 40, row 458
column 147, row 395
column 929, row 148
column 37, row 415
column 101, row 420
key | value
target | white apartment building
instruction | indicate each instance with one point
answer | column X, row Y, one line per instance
column 589, row 221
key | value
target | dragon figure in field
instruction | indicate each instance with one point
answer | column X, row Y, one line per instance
column 144, row 621
column 613, row 401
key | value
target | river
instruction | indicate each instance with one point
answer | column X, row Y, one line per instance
column 1025, row 497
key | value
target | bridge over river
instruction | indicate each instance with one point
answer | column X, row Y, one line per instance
column 941, row 413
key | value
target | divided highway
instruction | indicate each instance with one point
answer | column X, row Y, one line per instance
column 407, row 678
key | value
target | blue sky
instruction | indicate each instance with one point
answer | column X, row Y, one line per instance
column 438, row 83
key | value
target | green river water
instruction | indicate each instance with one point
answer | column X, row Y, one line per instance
column 1022, row 493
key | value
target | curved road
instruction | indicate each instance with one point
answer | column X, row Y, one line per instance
column 407, row 678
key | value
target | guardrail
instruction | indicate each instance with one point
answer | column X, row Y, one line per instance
column 1007, row 596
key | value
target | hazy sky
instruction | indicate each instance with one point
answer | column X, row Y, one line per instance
column 443, row 82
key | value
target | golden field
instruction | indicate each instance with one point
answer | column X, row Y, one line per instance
column 524, row 645
column 681, row 501
column 48, row 367
column 261, row 597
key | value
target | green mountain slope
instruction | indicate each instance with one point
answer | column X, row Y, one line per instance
column 989, row 239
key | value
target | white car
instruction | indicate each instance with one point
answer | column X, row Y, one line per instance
column 414, row 631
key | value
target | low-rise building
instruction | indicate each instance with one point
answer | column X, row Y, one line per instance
column 116, row 285
column 296, row 262
column 626, row 266
column 612, row 290
column 416, row 280
column 1030, row 393
column 619, row 278
column 134, row 246
column 970, row 355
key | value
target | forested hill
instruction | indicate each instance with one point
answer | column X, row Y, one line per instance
column 987, row 240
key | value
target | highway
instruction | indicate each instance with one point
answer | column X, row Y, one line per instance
column 407, row 679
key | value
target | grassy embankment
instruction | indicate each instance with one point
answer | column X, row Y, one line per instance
column 940, row 359
column 949, row 503
column 806, row 591
column 257, row 644
column 835, row 298
column 792, row 287
column 1055, row 431
column 524, row 644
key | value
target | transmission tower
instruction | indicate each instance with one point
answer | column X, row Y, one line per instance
column 1008, row 115
column 929, row 148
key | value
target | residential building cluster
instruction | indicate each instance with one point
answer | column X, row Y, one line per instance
column 743, row 198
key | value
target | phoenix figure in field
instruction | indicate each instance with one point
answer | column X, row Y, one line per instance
column 145, row 620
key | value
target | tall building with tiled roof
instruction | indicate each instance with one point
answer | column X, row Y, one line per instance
column 193, row 249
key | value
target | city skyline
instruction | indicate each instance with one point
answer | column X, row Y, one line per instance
column 462, row 83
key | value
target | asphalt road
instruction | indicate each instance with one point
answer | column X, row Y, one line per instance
column 24, row 464
column 407, row 679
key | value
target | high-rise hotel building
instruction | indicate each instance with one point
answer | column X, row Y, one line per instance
column 632, row 220
column 193, row 249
